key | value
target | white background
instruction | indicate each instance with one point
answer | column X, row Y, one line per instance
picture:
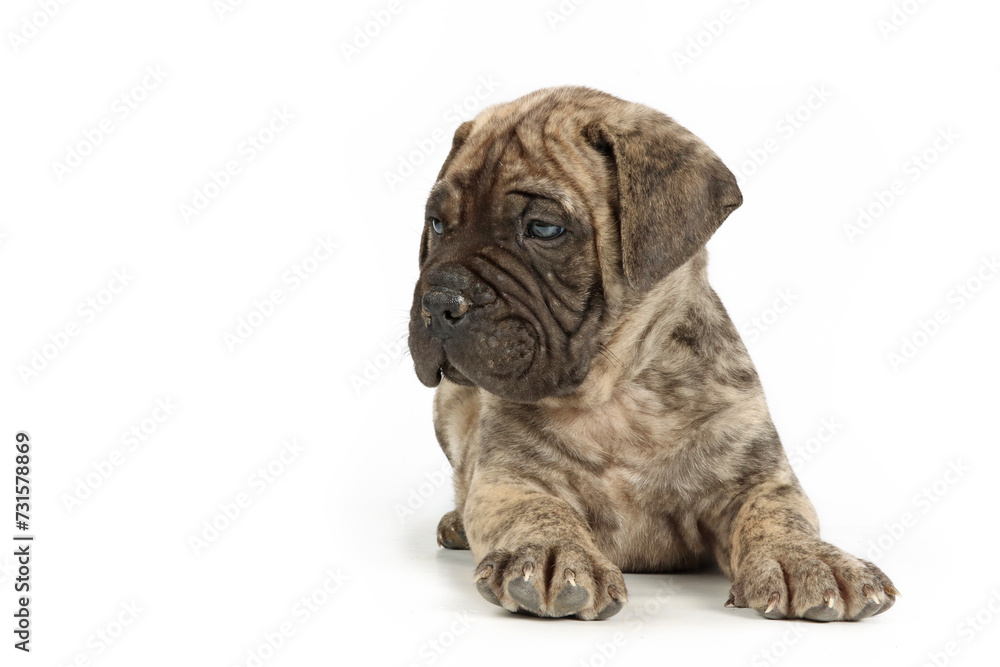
column 363, row 497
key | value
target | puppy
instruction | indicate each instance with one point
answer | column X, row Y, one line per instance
column 595, row 400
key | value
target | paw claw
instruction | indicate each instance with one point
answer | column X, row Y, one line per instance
column 772, row 611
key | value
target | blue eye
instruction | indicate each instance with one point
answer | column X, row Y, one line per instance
column 437, row 226
column 543, row 230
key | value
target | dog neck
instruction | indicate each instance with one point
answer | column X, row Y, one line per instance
column 639, row 333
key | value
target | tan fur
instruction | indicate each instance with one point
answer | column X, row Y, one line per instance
column 663, row 456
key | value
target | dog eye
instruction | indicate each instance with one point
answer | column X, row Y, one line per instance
column 543, row 230
column 437, row 226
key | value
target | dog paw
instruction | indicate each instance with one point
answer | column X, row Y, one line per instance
column 816, row 581
column 451, row 532
column 552, row 581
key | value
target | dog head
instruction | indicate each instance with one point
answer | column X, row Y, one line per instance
column 546, row 210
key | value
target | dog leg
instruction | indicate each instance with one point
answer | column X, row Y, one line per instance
column 536, row 554
column 782, row 569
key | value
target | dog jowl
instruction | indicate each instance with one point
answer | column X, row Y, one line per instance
column 596, row 403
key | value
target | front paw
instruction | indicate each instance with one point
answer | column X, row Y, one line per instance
column 813, row 580
column 553, row 581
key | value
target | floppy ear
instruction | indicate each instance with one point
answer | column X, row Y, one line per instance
column 673, row 192
column 461, row 134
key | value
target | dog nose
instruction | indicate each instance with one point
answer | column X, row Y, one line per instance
column 443, row 309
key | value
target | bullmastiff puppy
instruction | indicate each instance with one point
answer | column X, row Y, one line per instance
column 596, row 402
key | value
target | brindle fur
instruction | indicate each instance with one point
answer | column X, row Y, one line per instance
column 597, row 404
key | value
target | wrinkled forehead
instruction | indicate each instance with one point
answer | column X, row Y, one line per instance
column 539, row 152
